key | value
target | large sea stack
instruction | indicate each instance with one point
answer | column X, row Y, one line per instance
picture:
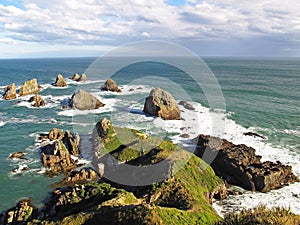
column 10, row 92
column 83, row 100
column 162, row 104
column 29, row 87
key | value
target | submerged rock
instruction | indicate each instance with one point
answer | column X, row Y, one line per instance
column 37, row 101
column 239, row 165
column 29, row 87
column 110, row 85
column 60, row 81
column 10, row 92
column 162, row 104
column 83, row 100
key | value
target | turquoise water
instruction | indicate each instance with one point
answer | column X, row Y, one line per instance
column 260, row 94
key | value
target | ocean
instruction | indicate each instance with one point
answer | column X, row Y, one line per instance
column 260, row 95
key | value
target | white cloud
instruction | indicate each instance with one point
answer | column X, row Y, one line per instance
column 113, row 22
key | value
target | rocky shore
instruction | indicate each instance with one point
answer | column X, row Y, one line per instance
column 109, row 191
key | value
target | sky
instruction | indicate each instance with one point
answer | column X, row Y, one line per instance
column 80, row 28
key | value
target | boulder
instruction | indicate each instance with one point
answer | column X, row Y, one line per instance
column 186, row 105
column 60, row 81
column 239, row 165
column 76, row 77
column 29, row 87
column 110, row 85
column 37, row 101
column 162, row 104
column 83, row 100
column 10, row 92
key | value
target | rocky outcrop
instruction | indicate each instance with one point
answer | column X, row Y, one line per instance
column 83, row 100
column 81, row 176
column 19, row 214
column 110, row 85
column 239, row 165
column 37, row 101
column 56, row 155
column 79, row 78
column 10, row 92
column 162, row 104
column 60, row 81
column 218, row 193
column 186, row 105
column 103, row 127
column 29, row 87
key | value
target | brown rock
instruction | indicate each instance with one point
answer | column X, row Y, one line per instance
column 185, row 135
column 20, row 214
column 37, row 101
column 17, row 155
column 239, row 165
column 219, row 193
column 83, row 100
column 10, row 92
column 80, row 176
column 29, row 87
column 60, row 81
column 103, row 127
column 253, row 135
column 71, row 142
column 162, row 104
column 110, row 85
column 131, row 89
column 55, row 134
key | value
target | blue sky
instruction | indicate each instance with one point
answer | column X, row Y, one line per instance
column 43, row 28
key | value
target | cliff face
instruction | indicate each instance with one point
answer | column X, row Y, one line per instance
column 182, row 196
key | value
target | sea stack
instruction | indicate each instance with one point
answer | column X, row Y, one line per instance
column 37, row 101
column 110, row 85
column 162, row 104
column 29, row 87
column 10, row 92
column 60, row 81
column 83, row 100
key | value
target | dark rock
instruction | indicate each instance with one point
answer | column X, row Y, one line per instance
column 64, row 107
column 239, row 165
column 110, row 85
column 10, row 92
column 253, row 134
column 140, row 88
column 29, row 87
column 161, row 103
column 37, row 101
column 71, row 142
column 83, row 100
column 186, row 105
column 218, row 193
column 60, row 81
column 131, row 89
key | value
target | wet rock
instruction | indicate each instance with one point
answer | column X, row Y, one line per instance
column 239, row 165
column 60, row 81
column 186, row 105
column 131, row 89
column 29, row 87
column 185, row 135
column 75, row 77
column 110, row 85
column 161, row 103
column 37, row 101
column 253, row 135
column 10, row 92
column 83, row 100
column 82, row 78
column 17, row 155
